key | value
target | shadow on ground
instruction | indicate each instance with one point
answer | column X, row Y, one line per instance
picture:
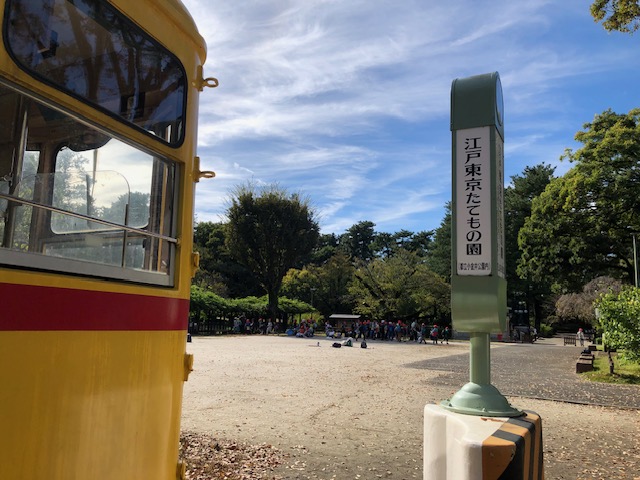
column 535, row 371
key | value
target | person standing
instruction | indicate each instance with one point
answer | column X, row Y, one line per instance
column 580, row 337
column 422, row 336
column 446, row 335
column 434, row 334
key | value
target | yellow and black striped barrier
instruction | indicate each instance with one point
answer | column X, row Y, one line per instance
column 514, row 451
column 469, row 447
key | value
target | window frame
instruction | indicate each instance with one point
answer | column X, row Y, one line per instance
column 31, row 260
column 137, row 29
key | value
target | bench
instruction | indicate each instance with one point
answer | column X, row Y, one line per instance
column 570, row 340
column 585, row 363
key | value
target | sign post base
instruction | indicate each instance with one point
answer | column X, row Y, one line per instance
column 477, row 399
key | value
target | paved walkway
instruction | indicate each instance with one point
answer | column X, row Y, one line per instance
column 544, row 370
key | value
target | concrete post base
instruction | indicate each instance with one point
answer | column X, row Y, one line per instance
column 471, row 447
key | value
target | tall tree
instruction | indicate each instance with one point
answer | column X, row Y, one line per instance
column 269, row 231
column 383, row 245
column 620, row 15
column 581, row 226
column 357, row 241
column 439, row 258
column 421, row 242
column 324, row 286
column 326, row 248
column 518, row 197
column 399, row 287
column 219, row 271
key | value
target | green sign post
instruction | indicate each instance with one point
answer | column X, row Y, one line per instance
column 478, row 285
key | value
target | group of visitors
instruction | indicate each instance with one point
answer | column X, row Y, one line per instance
column 366, row 330
column 390, row 331
column 435, row 334
column 254, row 326
column 305, row 329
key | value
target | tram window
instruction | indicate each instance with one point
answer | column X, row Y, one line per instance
column 88, row 49
column 77, row 200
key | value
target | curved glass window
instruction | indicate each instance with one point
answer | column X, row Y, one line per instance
column 75, row 200
column 88, row 49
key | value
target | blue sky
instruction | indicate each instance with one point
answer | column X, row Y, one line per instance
column 347, row 101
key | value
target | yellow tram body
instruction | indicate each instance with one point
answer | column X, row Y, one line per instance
column 95, row 265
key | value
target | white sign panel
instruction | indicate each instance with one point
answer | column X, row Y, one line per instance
column 473, row 201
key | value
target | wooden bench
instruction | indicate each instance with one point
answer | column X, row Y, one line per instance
column 585, row 363
column 569, row 340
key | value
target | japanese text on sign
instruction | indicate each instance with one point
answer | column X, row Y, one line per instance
column 473, row 201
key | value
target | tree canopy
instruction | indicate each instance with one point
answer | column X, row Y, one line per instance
column 620, row 15
column 270, row 231
column 398, row 287
column 618, row 315
column 581, row 226
column 580, row 307
column 325, row 286
column 439, row 258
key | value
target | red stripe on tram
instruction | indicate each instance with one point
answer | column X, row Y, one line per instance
column 31, row 308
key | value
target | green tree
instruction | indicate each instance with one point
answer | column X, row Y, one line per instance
column 332, row 293
column 387, row 244
column 581, row 226
column 618, row 315
column 383, row 245
column 401, row 286
column 326, row 247
column 357, row 241
column 219, row 271
column 421, row 243
column 324, row 286
column 270, row 231
column 439, row 257
column 620, row 15
column 518, row 197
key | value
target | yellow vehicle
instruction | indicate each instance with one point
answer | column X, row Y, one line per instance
column 98, row 120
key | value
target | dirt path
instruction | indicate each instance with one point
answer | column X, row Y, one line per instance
column 353, row 413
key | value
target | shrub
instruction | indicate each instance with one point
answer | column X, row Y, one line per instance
column 546, row 330
column 618, row 315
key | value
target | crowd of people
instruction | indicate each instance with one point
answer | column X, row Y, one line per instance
column 419, row 332
column 390, row 331
column 254, row 326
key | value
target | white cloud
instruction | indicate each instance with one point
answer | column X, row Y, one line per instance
column 349, row 100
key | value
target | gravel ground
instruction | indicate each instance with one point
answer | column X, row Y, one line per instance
column 261, row 407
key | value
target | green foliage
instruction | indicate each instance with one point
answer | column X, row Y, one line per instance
column 619, row 320
column 439, row 258
column 206, row 304
column 625, row 372
column 294, row 307
column 620, row 15
column 546, row 331
column 398, row 287
column 218, row 271
column 597, row 198
column 326, row 248
column 324, row 286
column 362, row 242
column 357, row 241
column 270, row 231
